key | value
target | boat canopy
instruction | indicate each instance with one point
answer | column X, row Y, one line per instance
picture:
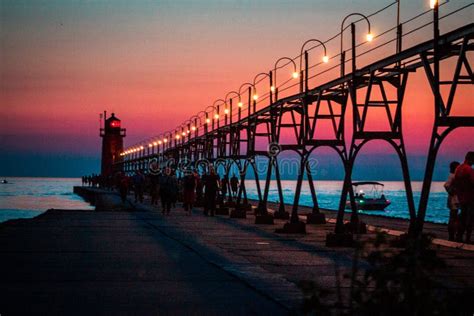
column 366, row 183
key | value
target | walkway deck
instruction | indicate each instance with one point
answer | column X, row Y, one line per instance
column 142, row 262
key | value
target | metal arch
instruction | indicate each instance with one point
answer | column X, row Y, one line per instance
column 407, row 60
column 400, row 154
column 341, row 153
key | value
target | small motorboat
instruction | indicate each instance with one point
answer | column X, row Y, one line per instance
column 376, row 201
column 4, row 181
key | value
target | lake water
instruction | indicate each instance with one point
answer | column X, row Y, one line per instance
column 328, row 194
column 29, row 197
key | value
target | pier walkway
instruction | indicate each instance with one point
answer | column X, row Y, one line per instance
column 138, row 261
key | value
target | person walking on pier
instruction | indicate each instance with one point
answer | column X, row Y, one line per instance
column 224, row 187
column 168, row 191
column 234, row 185
column 453, row 203
column 138, row 186
column 154, row 188
column 464, row 186
column 189, row 195
column 211, row 186
column 123, row 186
column 199, row 190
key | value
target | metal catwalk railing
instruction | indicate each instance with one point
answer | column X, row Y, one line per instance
column 227, row 132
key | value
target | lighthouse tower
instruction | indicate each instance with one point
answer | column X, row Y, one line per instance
column 112, row 144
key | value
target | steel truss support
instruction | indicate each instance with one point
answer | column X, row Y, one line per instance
column 273, row 165
column 444, row 121
column 392, row 109
column 242, row 192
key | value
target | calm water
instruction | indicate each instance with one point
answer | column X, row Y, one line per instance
column 328, row 193
column 29, row 197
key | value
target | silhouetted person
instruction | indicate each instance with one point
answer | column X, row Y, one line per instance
column 211, row 186
column 464, row 187
column 168, row 191
column 154, row 189
column 138, row 186
column 124, row 186
column 224, row 187
column 199, row 189
column 234, row 185
column 189, row 195
column 175, row 191
column 453, row 203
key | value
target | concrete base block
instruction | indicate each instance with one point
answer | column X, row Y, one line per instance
column 264, row 219
column 238, row 213
column 246, row 207
column 230, row 204
column 281, row 215
column 222, row 211
column 292, row 228
column 356, row 228
column 339, row 240
column 316, row 218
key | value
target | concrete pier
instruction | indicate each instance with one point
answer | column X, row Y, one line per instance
column 134, row 260
column 115, row 262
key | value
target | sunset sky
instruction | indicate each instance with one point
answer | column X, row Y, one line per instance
column 156, row 63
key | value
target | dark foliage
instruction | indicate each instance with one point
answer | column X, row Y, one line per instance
column 395, row 282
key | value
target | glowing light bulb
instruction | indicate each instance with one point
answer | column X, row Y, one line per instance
column 141, row 147
column 177, row 136
column 295, row 75
column 433, row 3
column 193, row 128
column 165, row 140
column 325, row 58
column 370, row 37
column 255, row 97
column 272, row 89
column 208, row 121
column 216, row 116
column 150, row 145
column 240, row 104
column 155, row 143
column 226, row 111
column 159, row 142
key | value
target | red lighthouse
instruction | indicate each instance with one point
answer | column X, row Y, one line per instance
column 112, row 144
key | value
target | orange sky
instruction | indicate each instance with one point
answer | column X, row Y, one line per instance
column 156, row 63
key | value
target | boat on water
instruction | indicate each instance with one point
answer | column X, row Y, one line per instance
column 4, row 181
column 375, row 200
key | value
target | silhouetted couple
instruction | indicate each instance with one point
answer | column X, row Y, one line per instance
column 460, row 188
